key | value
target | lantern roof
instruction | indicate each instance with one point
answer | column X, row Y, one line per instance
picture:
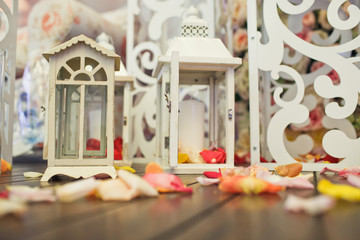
column 195, row 47
column 88, row 41
column 123, row 75
column 198, row 51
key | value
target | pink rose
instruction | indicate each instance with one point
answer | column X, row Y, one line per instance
column 309, row 20
column 333, row 74
column 240, row 40
column 315, row 118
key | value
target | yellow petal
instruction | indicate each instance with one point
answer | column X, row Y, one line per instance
column 127, row 168
column 339, row 191
column 183, row 158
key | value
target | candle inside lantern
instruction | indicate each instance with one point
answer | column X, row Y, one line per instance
column 191, row 129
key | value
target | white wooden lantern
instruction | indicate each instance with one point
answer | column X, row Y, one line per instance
column 8, row 29
column 195, row 60
column 81, row 82
column 122, row 101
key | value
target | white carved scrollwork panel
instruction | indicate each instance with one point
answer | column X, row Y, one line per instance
column 298, row 85
column 151, row 25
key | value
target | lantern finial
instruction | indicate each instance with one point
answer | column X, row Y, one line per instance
column 105, row 41
column 192, row 25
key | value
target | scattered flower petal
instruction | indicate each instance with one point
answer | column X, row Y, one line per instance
column 339, row 191
column 32, row 174
column 153, row 167
column 127, row 168
column 301, row 182
column 344, row 172
column 214, row 156
column 23, row 193
column 138, row 186
column 247, row 185
column 4, row 194
column 255, row 168
column 73, row 191
column 211, row 174
column 354, row 180
column 115, row 190
column 350, row 170
column 12, row 207
column 166, row 182
column 240, row 171
column 289, row 170
column 5, row 166
column 312, row 206
column 327, row 169
column 183, row 158
column 207, row 181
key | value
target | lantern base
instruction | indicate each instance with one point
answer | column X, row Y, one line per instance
column 122, row 163
column 77, row 172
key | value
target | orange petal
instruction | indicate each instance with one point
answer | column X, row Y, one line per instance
column 289, row 170
column 5, row 166
column 153, row 167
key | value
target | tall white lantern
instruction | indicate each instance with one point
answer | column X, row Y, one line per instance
column 192, row 124
column 8, row 29
column 81, row 88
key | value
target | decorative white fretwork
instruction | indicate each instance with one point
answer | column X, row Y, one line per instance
column 151, row 26
column 8, row 29
column 274, row 52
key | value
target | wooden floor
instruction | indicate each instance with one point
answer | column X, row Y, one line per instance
column 206, row 214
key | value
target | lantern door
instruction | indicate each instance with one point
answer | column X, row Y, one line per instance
column 82, row 111
column 201, row 127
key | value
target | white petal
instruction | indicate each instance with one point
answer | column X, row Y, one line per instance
column 70, row 192
column 137, row 184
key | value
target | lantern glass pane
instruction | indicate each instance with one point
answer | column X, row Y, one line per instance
column 95, row 121
column 63, row 74
column 82, row 77
column 74, row 63
column 221, row 113
column 90, row 64
column 67, row 121
column 194, row 112
column 100, row 75
column 6, row 119
column 119, row 111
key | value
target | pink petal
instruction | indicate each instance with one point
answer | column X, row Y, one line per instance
column 207, row 181
column 354, row 180
column 28, row 194
column 326, row 169
column 166, row 181
column 295, row 182
column 350, row 170
column 344, row 172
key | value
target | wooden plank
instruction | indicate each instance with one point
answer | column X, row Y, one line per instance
column 96, row 219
